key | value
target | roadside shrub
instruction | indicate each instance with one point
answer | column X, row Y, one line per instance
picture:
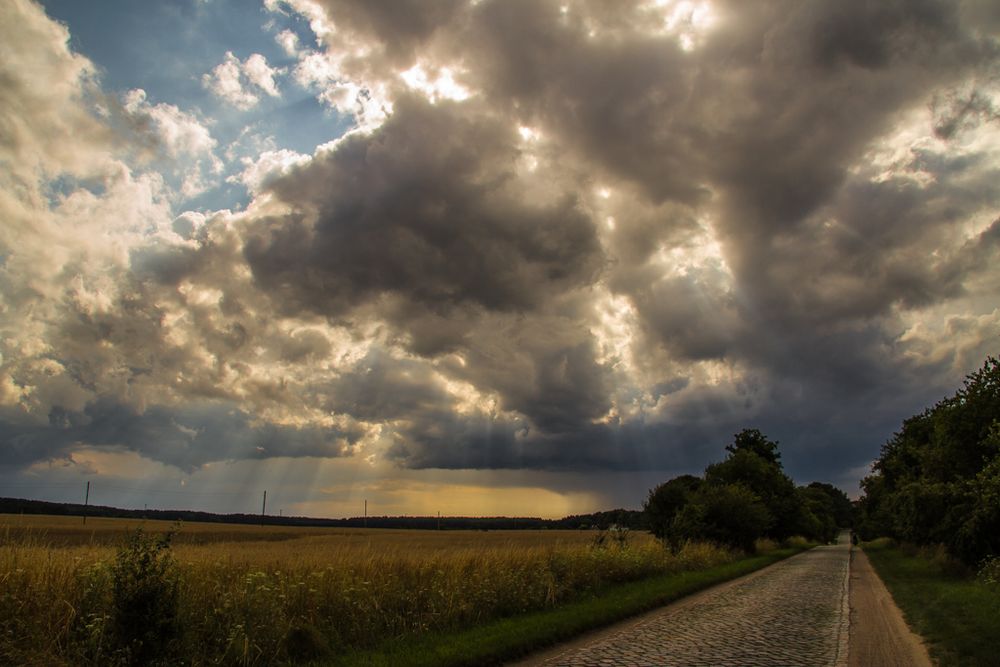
column 944, row 560
column 764, row 545
column 881, row 543
column 796, row 542
column 989, row 573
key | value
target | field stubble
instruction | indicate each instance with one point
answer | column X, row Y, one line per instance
column 248, row 595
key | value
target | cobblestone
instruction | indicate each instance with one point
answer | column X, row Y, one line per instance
column 791, row 614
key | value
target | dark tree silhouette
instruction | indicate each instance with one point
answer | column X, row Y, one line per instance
column 752, row 440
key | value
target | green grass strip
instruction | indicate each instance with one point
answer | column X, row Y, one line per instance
column 958, row 616
column 517, row 636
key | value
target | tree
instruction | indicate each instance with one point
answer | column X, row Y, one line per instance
column 843, row 509
column 745, row 497
column 937, row 481
column 764, row 477
column 752, row 440
column 729, row 514
column 816, row 518
column 666, row 500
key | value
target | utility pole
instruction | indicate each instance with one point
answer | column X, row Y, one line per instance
column 263, row 507
column 366, row 512
column 439, row 519
column 86, row 501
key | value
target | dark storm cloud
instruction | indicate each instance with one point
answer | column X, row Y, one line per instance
column 623, row 102
column 427, row 208
column 761, row 127
column 187, row 437
column 821, row 81
column 557, row 387
column 545, row 370
column 691, row 316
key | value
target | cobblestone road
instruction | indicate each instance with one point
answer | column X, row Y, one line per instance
column 792, row 613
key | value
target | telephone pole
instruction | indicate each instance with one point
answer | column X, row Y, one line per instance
column 263, row 507
column 86, row 501
column 366, row 512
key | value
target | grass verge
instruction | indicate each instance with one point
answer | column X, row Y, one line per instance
column 517, row 636
column 958, row 616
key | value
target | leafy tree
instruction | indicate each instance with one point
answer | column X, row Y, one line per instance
column 978, row 536
column 745, row 497
column 841, row 506
column 729, row 514
column 666, row 500
column 752, row 440
column 765, row 478
column 816, row 517
column 937, row 481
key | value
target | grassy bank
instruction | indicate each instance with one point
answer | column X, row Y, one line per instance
column 511, row 638
column 957, row 615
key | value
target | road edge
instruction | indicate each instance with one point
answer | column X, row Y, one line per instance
column 880, row 637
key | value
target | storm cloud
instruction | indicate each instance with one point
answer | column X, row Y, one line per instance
column 558, row 236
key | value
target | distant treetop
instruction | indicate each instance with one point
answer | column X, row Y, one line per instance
column 752, row 440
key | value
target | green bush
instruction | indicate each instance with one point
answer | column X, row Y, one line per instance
column 989, row 573
column 144, row 606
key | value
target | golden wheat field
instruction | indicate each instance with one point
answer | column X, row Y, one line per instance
column 248, row 595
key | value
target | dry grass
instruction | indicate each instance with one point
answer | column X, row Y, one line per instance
column 273, row 593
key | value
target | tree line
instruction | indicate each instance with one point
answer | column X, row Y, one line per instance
column 633, row 519
column 744, row 498
column 937, row 481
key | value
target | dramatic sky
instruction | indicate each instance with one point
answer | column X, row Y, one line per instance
column 483, row 257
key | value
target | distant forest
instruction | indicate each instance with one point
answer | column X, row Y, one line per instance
column 633, row 519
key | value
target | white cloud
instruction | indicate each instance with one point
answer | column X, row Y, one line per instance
column 268, row 165
column 225, row 82
column 47, row 124
column 183, row 138
column 179, row 132
column 288, row 41
column 369, row 103
column 261, row 75
column 241, row 83
column 439, row 84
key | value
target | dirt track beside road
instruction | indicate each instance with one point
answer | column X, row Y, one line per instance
column 879, row 634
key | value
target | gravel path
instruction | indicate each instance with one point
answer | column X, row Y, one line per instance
column 792, row 613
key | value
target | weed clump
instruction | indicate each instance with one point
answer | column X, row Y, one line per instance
column 989, row 572
column 144, row 600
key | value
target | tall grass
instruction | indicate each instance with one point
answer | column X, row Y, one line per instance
column 267, row 602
